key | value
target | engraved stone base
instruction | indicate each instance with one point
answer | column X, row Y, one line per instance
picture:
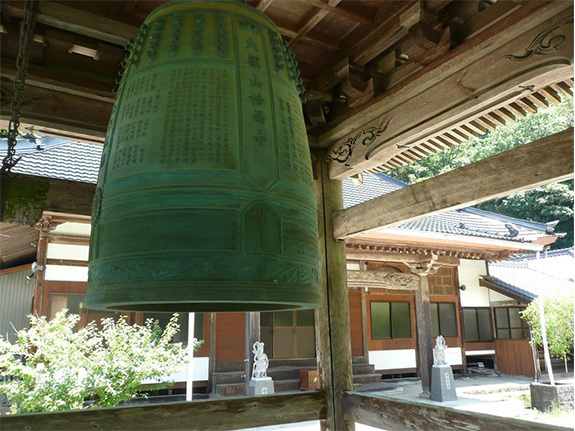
column 442, row 384
column 261, row 386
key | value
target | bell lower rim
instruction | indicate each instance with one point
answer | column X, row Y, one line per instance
column 202, row 297
column 201, row 307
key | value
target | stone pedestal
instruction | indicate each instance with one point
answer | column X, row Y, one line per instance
column 442, row 384
column 543, row 395
column 261, row 386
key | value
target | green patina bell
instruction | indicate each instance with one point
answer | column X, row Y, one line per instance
column 205, row 200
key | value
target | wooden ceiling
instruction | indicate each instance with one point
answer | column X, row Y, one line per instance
column 356, row 57
column 18, row 244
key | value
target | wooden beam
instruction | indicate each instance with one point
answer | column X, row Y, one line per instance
column 531, row 165
column 389, row 414
column 222, row 415
column 61, row 81
column 382, row 280
column 263, row 5
column 60, row 113
column 92, row 20
column 333, row 342
column 475, row 78
column 352, row 14
column 312, row 21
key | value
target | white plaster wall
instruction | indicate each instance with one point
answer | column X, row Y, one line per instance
column 392, row 359
column 479, row 352
column 469, row 272
column 352, row 266
column 406, row 358
column 67, row 251
column 453, row 356
column 69, row 228
column 201, row 370
column 66, row 273
column 496, row 297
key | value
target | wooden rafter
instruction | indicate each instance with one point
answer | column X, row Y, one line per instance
column 523, row 168
column 264, row 4
column 468, row 86
column 312, row 21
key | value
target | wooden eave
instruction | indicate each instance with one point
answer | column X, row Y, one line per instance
column 498, row 289
column 405, row 247
column 18, row 244
column 343, row 47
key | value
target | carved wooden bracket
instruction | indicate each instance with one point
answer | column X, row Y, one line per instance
column 358, row 91
column 382, row 280
column 427, row 267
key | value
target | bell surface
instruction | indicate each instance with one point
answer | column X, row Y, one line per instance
column 205, row 200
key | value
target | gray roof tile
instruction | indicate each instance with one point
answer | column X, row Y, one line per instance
column 75, row 161
column 72, row 161
column 468, row 221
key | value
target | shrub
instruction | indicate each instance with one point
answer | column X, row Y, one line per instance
column 53, row 366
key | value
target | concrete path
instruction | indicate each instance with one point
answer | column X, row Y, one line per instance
column 492, row 395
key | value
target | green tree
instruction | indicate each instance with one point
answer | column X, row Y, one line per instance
column 559, row 311
column 544, row 204
column 53, row 366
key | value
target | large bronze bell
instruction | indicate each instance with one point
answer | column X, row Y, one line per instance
column 205, row 200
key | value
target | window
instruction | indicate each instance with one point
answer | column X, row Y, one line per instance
column 477, row 324
column 509, row 324
column 443, row 319
column 75, row 304
column 182, row 335
column 390, row 320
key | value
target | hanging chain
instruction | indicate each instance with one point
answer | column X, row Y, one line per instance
column 26, row 35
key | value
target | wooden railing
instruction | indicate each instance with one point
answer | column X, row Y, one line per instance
column 228, row 414
column 412, row 415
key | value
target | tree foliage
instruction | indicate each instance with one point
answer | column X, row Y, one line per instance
column 559, row 311
column 53, row 366
column 544, row 204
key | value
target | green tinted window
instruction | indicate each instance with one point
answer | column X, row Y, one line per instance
column 509, row 323
column 305, row 318
column 390, row 320
column 400, row 320
column 266, row 320
column 477, row 324
column 443, row 319
column 283, row 318
column 470, row 324
column 434, row 320
column 380, row 320
column 447, row 319
column 485, row 324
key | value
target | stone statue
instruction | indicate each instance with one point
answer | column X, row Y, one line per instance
column 261, row 361
column 439, row 351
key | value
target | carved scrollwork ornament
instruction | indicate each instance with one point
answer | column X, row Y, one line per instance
column 544, row 43
column 366, row 137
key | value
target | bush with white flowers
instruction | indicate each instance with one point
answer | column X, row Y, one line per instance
column 53, row 366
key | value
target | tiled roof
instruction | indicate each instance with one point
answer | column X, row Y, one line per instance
column 467, row 221
column 507, row 287
column 72, row 161
column 75, row 161
column 527, row 273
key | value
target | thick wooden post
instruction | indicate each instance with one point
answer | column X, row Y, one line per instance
column 424, row 337
column 333, row 341
column 252, row 334
column 364, row 333
column 39, row 307
column 212, row 363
